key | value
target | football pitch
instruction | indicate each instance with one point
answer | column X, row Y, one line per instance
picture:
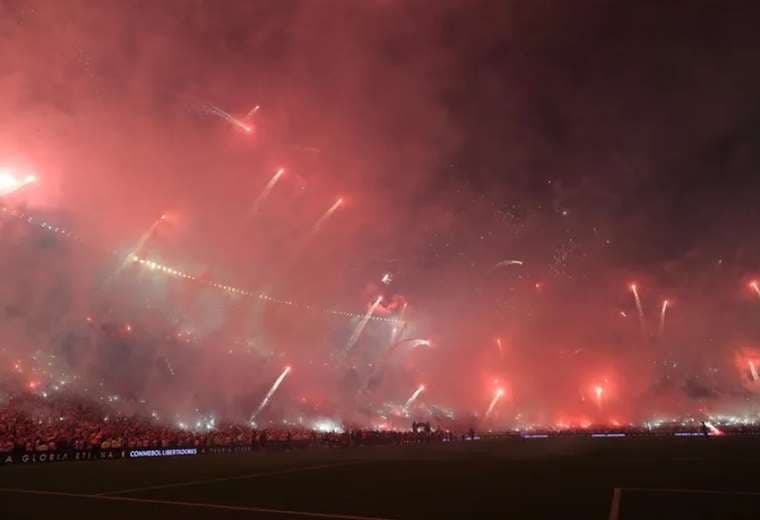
column 555, row 478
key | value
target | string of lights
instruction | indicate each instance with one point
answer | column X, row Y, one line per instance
column 169, row 270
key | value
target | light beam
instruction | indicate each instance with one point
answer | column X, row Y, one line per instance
column 271, row 392
column 497, row 396
column 414, row 396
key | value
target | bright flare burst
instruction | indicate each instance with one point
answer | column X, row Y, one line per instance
column 497, row 396
column 414, row 396
column 9, row 183
column 753, row 284
column 753, row 371
column 599, row 393
column 271, row 392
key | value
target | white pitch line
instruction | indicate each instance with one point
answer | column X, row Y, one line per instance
column 615, row 505
column 202, row 505
column 225, row 479
column 696, row 491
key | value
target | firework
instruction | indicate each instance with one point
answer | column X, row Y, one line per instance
column 252, row 111
column 639, row 308
column 394, row 333
column 267, row 189
column 134, row 255
column 218, row 112
column 149, row 233
column 506, row 263
column 271, row 392
column 413, row 343
column 497, row 396
column 414, row 396
column 599, row 394
column 9, row 183
column 501, row 348
column 662, row 316
column 755, row 287
column 753, row 371
column 360, row 326
column 326, row 215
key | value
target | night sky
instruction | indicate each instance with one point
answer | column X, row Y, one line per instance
column 513, row 165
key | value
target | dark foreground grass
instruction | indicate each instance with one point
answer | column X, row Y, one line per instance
column 523, row 479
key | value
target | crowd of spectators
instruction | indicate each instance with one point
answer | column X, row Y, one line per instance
column 31, row 423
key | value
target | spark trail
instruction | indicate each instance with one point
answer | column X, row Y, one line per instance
column 326, row 215
column 149, row 234
column 499, row 394
column 664, row 309
column 413, row 343
column 753, row 284
column 506, row 263
column 501, row 348
column 134, row 255
column 265, row 192
column 252, row 111
column 10, row 184
column 218, row 112
column 599, row 394
column 361, row 325
column 639, row 308
column 753, row 371
column 414, row 397
column 271, row 392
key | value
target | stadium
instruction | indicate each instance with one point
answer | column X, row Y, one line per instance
column 378, row 260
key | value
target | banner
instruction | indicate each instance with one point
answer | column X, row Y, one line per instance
column 43, row 457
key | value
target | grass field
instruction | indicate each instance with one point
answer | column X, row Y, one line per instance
column 557, row 478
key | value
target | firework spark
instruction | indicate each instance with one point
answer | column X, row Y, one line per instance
column 265, row 192
column 271, row 392
column 252, row 111
column 414, row 396
column 501, row 348
column 134, row 255
column 326, row 215
column 360, row 326
column 662, row 316
column 639, row 308
column 506, row 263
column 755, row 287
column 497, row 396
column 599, row 394
column 148, row 234
column 412, row 342
column 218, row 112
column 9, row 183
